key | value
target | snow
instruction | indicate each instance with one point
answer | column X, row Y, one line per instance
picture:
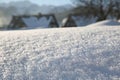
column 83, row 21
column 82, row 53
column 106, row 23
column 64, row 21
column 33, row 22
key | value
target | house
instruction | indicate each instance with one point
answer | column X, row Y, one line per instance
column 68, row 22
column 33, row 21
column 75, row 20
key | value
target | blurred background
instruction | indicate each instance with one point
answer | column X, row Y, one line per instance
column 8, row 8
column 102, row 9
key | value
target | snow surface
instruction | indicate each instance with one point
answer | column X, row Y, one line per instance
column 84, row 53
column 106, row 23
column 34, row 22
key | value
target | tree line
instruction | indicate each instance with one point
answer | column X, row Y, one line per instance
column 103, row 9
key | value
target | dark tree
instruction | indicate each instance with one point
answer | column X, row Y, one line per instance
column 100, row 8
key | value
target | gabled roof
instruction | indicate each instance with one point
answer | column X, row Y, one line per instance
column 37, row 22
column 32, row 21
column 78, row 20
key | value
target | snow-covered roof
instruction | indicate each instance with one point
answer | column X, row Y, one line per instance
column 33, row 22
column 64, row 21
column 78, row 20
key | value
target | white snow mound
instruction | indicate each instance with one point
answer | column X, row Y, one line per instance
column 87, row 53
column 106, row 23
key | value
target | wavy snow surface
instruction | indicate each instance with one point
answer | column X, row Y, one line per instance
column 87, row 53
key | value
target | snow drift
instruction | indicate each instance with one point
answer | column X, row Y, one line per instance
column 106, row 23
column 87, row 53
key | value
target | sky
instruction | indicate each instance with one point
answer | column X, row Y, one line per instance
column 44, row 2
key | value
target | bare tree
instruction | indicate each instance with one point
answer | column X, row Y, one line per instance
column 117, row 10
column 101, row 8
